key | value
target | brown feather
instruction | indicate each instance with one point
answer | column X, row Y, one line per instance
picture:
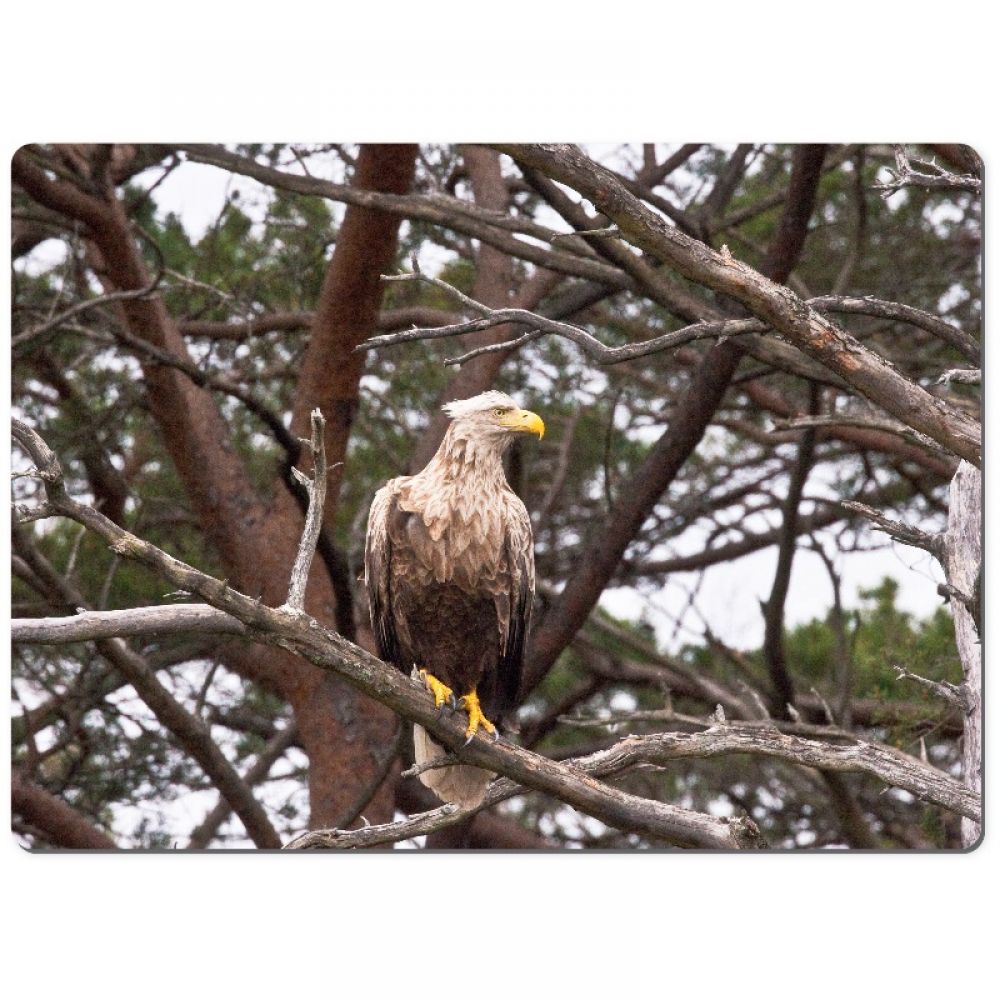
column 449, row 567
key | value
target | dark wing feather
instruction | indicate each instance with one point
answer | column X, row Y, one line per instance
column 514, row 607
column 378, row 576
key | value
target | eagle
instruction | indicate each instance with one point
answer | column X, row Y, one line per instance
column 450, row 576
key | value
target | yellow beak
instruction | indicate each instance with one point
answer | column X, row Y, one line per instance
column 524, row 422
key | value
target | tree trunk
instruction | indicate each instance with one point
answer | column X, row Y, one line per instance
column 963, row 566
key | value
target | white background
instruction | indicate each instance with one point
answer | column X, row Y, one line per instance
column 416, row 925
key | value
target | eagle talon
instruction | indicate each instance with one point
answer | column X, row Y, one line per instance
column 477, row 721
column 443, row 695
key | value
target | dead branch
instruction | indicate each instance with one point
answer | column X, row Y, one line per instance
column 953, row 694
column 308, row 638
column 931, row 176
column 825, row 747
column 895, row 768
column 316, row 489
column 171, row 619
column 897, row 530
column 706, row 329
column 868, row 305
column 770, row 302
column 587, row 342
column 964, row 376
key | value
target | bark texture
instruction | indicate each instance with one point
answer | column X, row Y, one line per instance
column 963, row 567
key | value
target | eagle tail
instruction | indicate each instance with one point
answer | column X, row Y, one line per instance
column 462, row 784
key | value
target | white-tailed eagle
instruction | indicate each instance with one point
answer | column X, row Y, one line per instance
column 450, row 573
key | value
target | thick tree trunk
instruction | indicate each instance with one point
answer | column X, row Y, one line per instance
column 345, row 734
column 963, row 566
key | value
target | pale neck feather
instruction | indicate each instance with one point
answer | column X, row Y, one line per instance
column 461, row 457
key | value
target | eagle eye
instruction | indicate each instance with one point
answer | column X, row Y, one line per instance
column 498, row 411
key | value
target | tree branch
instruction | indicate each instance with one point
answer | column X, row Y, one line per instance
column 933, row 177
column 933, row 544
column 189, row 731
column 303, row 635
column 591, row 345
column 894, row 768
column 171, row 619
column 59, row 821
column 316, row 488
column 276, row 747
column 770, row 302
column 497, row 229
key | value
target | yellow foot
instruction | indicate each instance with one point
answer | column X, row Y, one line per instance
column 442, row 693
column 477, row 721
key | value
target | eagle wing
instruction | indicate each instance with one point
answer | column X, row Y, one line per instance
column 378, row 574
column 514, row 601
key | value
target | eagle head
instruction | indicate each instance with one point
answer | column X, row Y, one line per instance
column 492, row 416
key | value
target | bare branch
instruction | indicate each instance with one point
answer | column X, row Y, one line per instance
column 882, row 309
column 171, row 619
column 316, row 488
column 896, row 529
column 953, row 694
column 33, row 335
column 762, row 738
column 932, row 176
column 601, row 353
column 965, row 376
column 308, row 638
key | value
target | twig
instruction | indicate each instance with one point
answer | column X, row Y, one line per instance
column 316, row 488
column 933, row 544
column 522, row 317
column 606, row 231
column 953, row 694
column 81, row 307
column 505, row 345
column 965, row 376
column 430, row 765
column 905, row 175
column 826, row 708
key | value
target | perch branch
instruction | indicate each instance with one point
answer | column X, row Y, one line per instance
column 306, row 637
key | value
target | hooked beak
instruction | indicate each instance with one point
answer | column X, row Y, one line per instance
column 524, row 422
